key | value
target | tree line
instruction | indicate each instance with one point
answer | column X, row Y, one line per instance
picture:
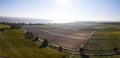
column 44, row 44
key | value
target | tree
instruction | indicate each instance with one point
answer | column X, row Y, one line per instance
column 60, row 48
column 15, row 26
column 31, row 35
column 115, row 49
column 81, row 50
column 82, row 53
column 35, row 39
column 2, row 29
column 27, row 33
column 44, row 43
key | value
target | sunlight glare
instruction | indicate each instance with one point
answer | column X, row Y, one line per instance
column 62, row 21
column 64, row 3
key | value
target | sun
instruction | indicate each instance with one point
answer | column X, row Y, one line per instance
column 64, row 3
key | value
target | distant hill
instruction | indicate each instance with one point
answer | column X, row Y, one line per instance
column 23, row 20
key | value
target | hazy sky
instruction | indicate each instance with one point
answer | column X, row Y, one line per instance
column 63, row 10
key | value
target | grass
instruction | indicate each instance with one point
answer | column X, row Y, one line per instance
column 4, row 26
column 104, row 41
column 14, row 45
column 106, row 27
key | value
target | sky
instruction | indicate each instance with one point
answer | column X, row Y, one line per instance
column 61, row 11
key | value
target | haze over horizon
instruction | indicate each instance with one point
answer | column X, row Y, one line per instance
column 62, row 11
